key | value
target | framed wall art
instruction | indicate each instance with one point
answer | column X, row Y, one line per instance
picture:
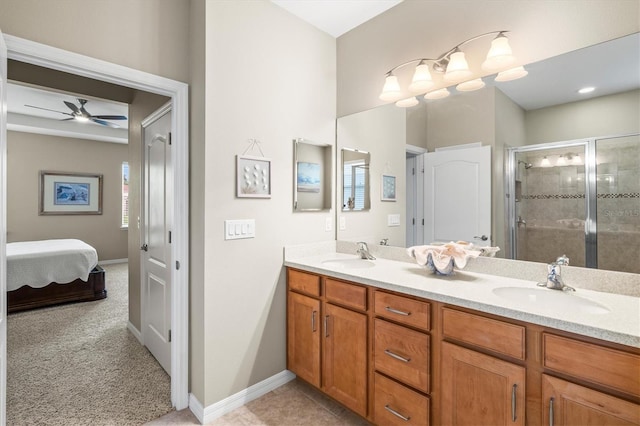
column 67, row 193
column 253, row 177
column 388, row 188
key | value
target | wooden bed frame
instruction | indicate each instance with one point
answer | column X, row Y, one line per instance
column 53, row 294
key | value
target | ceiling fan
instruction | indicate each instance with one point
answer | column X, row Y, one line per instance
column 79, row 113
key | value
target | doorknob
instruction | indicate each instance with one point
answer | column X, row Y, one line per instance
column 144, row 247
column 483, row 238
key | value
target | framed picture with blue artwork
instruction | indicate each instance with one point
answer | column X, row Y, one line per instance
column 68, row 193
column 388, row 188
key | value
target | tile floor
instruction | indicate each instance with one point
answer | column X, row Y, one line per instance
column 293, row 404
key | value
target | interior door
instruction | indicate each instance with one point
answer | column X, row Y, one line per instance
column 156, row 235
column 458, row 195
column 3, row 229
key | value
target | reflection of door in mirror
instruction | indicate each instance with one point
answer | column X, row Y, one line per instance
column 355, row 180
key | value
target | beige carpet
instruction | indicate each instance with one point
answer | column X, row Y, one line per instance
column 77, row 364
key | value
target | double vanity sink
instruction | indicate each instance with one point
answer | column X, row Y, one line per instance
column 602, row 315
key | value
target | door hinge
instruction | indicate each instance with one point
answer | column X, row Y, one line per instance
column 413, row 171
column 169, row 237
column 169, row 138
column 169, row 335
column 413, row 221
column 422, row 222
column 177, row 265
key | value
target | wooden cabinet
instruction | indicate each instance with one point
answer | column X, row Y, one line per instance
column 327, row 343
column 345, row 357
column 569, row 404
column 478, row 389
column 402, row 360
column 303, row 337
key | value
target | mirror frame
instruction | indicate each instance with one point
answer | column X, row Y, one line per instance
column 325, row 175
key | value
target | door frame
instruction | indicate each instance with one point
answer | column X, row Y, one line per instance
column 416, row 155
column 58, row 59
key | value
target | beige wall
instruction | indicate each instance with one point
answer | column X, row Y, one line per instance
column 28, row 154
column 413, row 29
column 269, row 76
column 382, row 133
column 602, row 116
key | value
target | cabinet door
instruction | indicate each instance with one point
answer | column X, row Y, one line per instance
column 303, row 337
column 345, row 357
column 566, row 403
column 478, row 389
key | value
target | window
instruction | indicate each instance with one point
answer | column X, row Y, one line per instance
column 354, row 184
column 125, row 195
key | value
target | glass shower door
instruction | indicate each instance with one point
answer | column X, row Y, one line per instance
column 618, row 203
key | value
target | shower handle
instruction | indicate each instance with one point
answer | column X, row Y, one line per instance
column 483, row 238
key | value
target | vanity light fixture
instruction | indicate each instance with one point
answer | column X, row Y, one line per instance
column 561, row 161
column 576, row 159
column 545, row 162
column 437, row 94
column 455, row 69
column 409, row 102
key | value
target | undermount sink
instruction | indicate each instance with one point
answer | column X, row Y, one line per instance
column 551, row 299
column 353, row 263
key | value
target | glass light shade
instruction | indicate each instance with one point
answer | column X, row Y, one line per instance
column 81, row 118
column 437, row 94
column 409, row 102
column 576, row 159
column 458, row 69
column 561, row 161
column 391, row 90
column 499, row 56
column 545, row 162
column 512, row 74
column 471, row 85
column 422, row 80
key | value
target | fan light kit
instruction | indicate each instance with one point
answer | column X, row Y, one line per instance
column 455, row 69
column 79, row 113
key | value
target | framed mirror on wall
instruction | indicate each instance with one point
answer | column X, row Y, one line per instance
column 312, row 176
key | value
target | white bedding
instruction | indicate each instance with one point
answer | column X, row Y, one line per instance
column 39, row 263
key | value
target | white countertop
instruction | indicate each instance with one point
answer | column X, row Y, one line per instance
column 475, row 291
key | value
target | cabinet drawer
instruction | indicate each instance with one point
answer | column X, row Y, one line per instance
column 609, row 367
column 402, row 309
column 494, row 335
column 395, row 404
column 345, row 294
column 402, row 354
column 304, row 282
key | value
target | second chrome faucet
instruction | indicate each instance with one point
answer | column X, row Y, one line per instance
column 363, row 251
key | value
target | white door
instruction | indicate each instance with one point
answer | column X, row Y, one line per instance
column 155, row 230
column 3, row 230
column 458, row 195
column 411, row 219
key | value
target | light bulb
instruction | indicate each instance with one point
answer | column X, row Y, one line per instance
column 561, row 161
column 545, row 162
column 422, row 80
column 471, row 85
column 576, row 159
column 391, row 90
column 81, row 118
column 437, row 94
column 499, row 56
column 512, row 74
column 409, row 102
column 458, row 68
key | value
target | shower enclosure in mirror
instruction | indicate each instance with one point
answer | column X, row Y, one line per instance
column 579, row 198
column 312, row 173
column 355, row 180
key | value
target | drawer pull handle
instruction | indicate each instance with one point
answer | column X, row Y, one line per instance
column 313, row 321
column 396, row 356
column 395, row 311
column 551, row 412
column 513, row 402
column 395, row 413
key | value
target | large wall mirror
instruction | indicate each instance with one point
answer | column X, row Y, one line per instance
column 544, row 107
column 312, row 176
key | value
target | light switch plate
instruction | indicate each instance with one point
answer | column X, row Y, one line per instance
column 393, row 220
column 328, row 224
column 343, row 223
column 239, row 229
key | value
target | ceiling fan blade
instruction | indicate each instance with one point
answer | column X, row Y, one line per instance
column 110, row 117
column 47, row 109
column 104, row 123
column 72, row 107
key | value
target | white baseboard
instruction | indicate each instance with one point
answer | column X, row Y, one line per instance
column 208, row 414
column 136, row 333
column 112, row 261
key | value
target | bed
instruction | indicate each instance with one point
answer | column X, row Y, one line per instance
column 49, row 272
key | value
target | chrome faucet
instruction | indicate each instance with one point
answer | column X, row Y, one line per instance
column 554, row 278
column 363, row 251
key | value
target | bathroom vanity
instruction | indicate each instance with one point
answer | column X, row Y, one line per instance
column 401, row 347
